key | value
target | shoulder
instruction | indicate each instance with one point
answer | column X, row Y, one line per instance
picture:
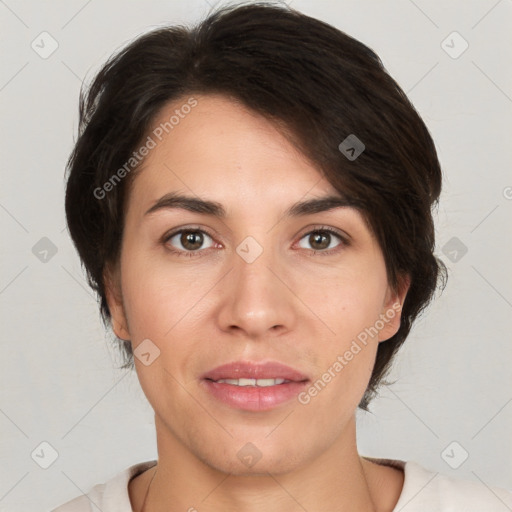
column 426, row 490
column 111, row 496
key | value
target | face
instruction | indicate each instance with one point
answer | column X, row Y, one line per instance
column 196, row 290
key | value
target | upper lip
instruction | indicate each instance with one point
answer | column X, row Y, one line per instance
column 254, row 370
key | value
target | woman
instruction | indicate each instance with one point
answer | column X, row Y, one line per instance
column 251, row 199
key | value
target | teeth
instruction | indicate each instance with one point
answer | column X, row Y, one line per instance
column 253, row 382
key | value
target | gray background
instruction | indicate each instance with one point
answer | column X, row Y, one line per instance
column 58, row 382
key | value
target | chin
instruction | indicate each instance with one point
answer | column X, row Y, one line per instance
column 264, row 466
column 246, row 458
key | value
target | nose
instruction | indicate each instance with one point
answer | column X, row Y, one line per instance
column 257, row 299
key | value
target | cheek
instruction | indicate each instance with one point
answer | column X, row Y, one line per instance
column 350, row 306
column 156, row 294
column 345, row 365
column 163, row 306
column 348, row 298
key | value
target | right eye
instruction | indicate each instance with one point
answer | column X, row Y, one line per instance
column 189, row 239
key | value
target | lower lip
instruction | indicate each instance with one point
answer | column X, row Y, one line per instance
column 254, row 398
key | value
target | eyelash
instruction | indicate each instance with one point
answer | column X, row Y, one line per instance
column 191, row 254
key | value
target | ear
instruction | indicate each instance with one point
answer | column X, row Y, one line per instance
column 113, row 293
column 392, row 309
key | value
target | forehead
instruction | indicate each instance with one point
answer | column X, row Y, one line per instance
column 222, row 149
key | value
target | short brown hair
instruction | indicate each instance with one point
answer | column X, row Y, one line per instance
column 317, row 84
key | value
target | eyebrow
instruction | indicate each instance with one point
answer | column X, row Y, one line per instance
column 174, row 200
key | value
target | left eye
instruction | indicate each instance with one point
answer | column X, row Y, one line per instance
column 321, row 239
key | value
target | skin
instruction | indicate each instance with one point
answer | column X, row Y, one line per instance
column 291, row 305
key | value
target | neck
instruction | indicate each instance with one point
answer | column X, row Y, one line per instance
column 337, row 479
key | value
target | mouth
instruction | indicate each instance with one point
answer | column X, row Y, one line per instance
column 254, row 386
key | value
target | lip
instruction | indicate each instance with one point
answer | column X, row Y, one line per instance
column 254, row 398
column 253, row 370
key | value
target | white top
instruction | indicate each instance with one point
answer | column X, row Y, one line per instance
column 423, row 491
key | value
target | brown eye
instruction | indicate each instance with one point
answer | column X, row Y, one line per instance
column 323, row 240
column 319, row 241
column 187, row 240
column 191, row 240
